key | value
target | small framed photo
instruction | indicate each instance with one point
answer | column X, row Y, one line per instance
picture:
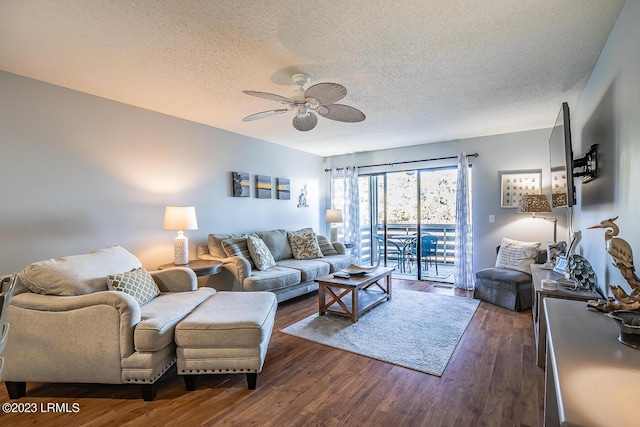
column 515, row 184
column 561, row 265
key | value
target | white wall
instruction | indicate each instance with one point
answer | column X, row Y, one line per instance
column 608, row 113
column 508, row 152
column 80, row 172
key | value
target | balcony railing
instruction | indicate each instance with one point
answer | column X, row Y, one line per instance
column 446, row 234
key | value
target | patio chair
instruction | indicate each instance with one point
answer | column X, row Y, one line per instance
column 428, row 251
column 393, row 250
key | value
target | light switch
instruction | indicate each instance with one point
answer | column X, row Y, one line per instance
column 492, row 218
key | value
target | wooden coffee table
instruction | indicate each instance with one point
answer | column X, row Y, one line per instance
column 353, row 296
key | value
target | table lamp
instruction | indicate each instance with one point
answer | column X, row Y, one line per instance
column 333, row 216
column 180, row 218
column 538, row 203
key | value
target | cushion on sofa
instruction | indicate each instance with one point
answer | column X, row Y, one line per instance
column 138, row 283
column 325, row 245
column 309, row 268
column 337, row 262
column 260, row 253
column 275, row 278
column 77, row 274
column 160, row 316
column 237, row 246
column 304, row 246
column 215, row 243
column 277, row 242
column 517, row 255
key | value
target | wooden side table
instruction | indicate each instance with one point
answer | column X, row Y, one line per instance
column 199, row 266
column 537, row 310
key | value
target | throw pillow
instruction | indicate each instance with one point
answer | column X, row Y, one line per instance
column 326, row 246
column 260, row 253
column 138, row 283
column 304, row 246
column 516, row 255
column 238, row 247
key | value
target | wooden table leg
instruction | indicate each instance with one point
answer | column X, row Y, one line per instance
column 354, row 305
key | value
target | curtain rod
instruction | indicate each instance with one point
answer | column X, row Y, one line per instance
column 408, row 161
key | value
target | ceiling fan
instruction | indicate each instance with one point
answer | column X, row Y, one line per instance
column 319, row 98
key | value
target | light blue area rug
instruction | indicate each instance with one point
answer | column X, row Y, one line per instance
column 416, row 330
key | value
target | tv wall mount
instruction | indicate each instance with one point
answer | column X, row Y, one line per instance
column 587, row 165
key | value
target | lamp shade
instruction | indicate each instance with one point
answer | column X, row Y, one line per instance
column 180, row 218
column 534, row 203
column 333, row 216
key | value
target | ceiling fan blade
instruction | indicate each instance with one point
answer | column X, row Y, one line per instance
column 305, row 123
column 326, row 93
column 270, row 96
column 264, row 114
column 341, row 113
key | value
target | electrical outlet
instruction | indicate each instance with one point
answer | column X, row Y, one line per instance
column 492, row 218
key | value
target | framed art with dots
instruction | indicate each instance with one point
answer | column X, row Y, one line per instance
column 515, row 184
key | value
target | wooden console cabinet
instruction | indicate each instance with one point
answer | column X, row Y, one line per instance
column 537, row 310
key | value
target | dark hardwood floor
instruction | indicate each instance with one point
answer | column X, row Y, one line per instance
column 491, row 380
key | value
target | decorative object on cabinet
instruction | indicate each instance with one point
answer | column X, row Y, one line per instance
column 263, row 187
column 555, row 250
column 516, row 184
column 179, row 218
column 240, row 182
column 582, row 273
column 629, row 324
column 622, row 254
column 538, row 203
column 283, row 188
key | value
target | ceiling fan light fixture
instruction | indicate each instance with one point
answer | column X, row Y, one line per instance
column 321, row 98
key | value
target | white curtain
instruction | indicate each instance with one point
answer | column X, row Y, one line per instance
column 345, row 196
column 463, row 255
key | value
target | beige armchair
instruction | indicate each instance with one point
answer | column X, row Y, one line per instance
column 7, row 287
column 67, row 326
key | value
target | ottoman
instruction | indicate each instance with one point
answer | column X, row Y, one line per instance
column 507, row 288
column 227, row 333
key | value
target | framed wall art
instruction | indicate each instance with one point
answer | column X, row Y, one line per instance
column 515, row 184
column 283, row 188
column 263, row 187
column 240, row 184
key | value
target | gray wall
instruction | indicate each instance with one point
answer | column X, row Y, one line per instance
column 508, row 152
column 80, row 172
column 608, row 113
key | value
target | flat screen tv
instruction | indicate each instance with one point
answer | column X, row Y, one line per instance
column 563, row 192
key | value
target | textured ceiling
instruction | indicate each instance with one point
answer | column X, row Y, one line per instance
column 421, row 71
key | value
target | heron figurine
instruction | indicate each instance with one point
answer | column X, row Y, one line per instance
column 622, row 254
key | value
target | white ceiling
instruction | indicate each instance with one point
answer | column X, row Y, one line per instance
column 422, row 71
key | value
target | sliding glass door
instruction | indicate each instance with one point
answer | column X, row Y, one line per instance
column 408, row 221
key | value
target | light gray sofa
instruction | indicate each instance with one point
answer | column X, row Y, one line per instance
column 66, row 326
column 288, row 279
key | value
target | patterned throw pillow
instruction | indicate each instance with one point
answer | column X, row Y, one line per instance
column 260, row 253
column 517, row 255
column 238, row 247
column 325, row 245
column 138, row 283
column 304, row 246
